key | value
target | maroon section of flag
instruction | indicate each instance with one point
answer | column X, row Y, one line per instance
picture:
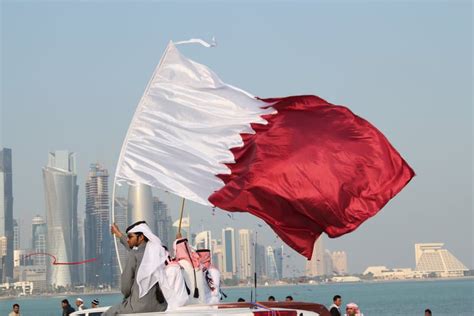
column 315, row 167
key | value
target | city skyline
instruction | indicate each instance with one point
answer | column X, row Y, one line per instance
column 396, row 75
column 65, row 160
column 430, row 258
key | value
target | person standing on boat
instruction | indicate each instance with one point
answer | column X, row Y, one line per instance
column 80, row 304
column 334, row 309
column 67, row 308
column 143, row 272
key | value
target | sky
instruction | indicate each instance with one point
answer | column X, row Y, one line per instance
column 73, row 73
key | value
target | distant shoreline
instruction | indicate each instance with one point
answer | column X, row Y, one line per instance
column 355, row 282
column 113, row 292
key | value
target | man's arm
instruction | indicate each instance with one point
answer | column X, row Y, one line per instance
column 128, row 275
column 117, row 233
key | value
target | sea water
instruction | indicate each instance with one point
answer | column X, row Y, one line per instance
column 443, row 297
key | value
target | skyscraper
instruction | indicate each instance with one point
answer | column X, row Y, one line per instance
column 246, row 254
column 279, row 261
column 140, row 204
column 38, row 240
column 60, row 185
column 163, row 223
column 6, row 214
column 339, row 261
column 315, row 266
column 328, row 265
column 272, row 270
column 97, row 223
column 217, row 254
column 228, row 245
column 16, row 235
column 260, row 268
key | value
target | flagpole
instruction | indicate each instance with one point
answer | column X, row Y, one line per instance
column 113, row 221
column 181, row 215
column 255, row 266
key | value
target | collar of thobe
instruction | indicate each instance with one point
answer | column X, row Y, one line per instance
column 151, row 269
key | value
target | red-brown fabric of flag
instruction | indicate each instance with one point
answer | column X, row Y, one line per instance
column 315, row 167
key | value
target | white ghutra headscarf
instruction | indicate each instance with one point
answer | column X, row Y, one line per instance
column 151, row 269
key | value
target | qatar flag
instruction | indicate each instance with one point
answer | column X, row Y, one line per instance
column 303, row 165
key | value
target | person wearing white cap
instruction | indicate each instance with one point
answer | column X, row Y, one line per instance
column 143, row 272
column 80, row 304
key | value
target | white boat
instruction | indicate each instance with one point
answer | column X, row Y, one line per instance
column 237, row 309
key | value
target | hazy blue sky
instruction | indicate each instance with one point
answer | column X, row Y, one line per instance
column 73, row 73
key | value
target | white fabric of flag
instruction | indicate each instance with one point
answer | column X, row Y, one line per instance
column 184, row 127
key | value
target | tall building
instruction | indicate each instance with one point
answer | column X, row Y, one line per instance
column 246, row 254
column 270, row 260
column 60, row 185
column 328, row 265
column 339, row 262
column 140, row 204
column 16, row 235
column 97, row 227
column 432, row 258
column 315, row 266
column 203, row 240
column 260, row 263
column 217, row 254
column 6, row 215
column 163, row 223
column 38, row 240
column 228, row 244
column 279, row 261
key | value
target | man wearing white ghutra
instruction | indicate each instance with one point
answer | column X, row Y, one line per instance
column 143, row 272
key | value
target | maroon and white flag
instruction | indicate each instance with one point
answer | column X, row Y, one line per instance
column 303, row 165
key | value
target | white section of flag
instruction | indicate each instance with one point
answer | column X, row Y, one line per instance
column 183, row 128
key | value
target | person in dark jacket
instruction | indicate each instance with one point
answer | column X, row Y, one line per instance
column 67, row 308
column 334, row 309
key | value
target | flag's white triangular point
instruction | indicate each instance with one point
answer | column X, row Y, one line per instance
column 198, row 41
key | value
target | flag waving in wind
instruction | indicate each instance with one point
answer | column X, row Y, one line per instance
column 301, row 164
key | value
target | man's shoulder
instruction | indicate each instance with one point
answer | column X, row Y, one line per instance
column 334, row 310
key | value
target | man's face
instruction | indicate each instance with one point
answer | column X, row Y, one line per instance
column 338, row 301
column 350, row 311
column 63, row 304
column 134, row 240
column 16, row 309
column 93, row 305
column 78, row 303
